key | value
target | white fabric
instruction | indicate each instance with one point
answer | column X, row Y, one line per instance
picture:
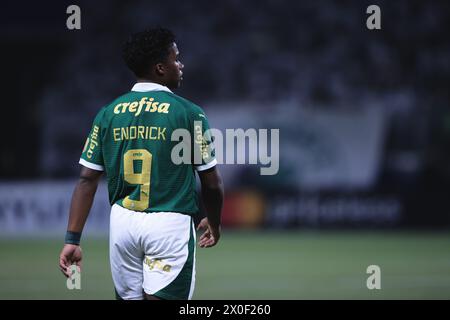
column 139, row 237
column 206, row 166
column 149, row 86
column 191, row 290
column 91, row 165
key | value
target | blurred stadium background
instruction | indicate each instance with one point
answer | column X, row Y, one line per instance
column 364, row 121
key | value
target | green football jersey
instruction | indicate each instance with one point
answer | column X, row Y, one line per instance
column 131, row 140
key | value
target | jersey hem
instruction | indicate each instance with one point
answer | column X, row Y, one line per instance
column 191, row 214
column 91, row 165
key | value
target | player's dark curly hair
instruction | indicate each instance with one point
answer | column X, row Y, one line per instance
column 147, row 48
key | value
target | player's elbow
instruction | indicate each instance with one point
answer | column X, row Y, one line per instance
column 213, row 187
column 213, row 183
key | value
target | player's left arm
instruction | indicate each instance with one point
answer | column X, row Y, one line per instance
column 82, row 199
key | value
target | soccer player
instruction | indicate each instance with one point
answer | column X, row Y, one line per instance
column 152, row 236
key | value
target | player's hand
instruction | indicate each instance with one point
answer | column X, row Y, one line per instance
column 70, row 254
column 210, row 236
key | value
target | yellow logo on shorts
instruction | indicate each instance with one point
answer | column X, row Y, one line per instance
column 158, row 264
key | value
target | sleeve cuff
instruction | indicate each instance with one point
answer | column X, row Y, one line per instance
column 91, row 165
column 206, row 166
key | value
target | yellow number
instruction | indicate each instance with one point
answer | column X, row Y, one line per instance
column 142, row 178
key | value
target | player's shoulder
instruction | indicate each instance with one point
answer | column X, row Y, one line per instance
column 100, row 114
column 112, row 104
column 190, row 106
column 122, row 98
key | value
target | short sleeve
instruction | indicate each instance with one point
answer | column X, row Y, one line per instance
column 203, row 153
column 92, row 155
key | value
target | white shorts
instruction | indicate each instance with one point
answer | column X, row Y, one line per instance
column 152, row 252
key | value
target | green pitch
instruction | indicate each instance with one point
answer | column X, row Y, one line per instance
column 255, row 265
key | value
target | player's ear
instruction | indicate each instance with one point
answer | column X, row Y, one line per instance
column 159, row 67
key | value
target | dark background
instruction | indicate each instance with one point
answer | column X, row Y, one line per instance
column 364, row 122
column 319, row 56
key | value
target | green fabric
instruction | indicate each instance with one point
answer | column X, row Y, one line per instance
column 179, row 288
column 143, row 123
column 117, row 295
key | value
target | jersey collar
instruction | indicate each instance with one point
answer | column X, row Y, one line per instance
column 149, row 86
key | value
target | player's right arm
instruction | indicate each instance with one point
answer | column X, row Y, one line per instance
column 212, row 194
column 204, row 162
